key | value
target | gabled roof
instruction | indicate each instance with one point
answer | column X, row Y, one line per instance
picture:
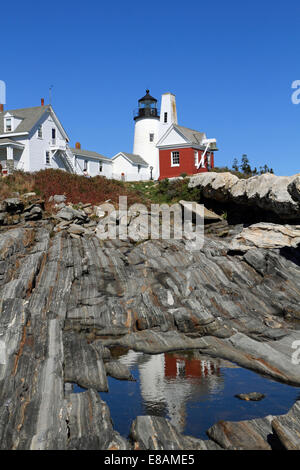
column 29, row 117
column 89, row 153
column 135, row 159
column 190, row 136
column 195, row 137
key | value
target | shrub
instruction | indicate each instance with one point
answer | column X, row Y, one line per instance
column 76, row 188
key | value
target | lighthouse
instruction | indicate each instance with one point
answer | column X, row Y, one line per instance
column 146, row 132
column 164, row 149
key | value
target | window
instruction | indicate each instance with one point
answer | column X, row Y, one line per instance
column 40, row 132
column 85, row 168
column 196, row 157
column 8, row 127
column 100, row 167
column 47, row 158
column 166, row 117
column 53, row 136
column 175, row 159
column 139, row 168
column 208, row 161
column 151, row 137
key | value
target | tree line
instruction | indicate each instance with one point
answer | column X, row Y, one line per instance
column 245, row 167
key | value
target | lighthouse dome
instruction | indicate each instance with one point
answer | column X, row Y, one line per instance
column 147, row 98
column 147, row 107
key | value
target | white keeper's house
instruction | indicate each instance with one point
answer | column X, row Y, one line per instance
column 33, row 139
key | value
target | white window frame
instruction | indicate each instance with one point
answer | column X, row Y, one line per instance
column 165, row 117
column 100, row 167
column 8, row 128
column 151, row 137
column 196, row 158
column 172, row 158
column 208, row 160
column 86, row 165
column 48, row 158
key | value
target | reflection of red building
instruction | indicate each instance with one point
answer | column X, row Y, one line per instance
column 182, row 366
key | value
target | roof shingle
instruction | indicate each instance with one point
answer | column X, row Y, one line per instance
column 195, row 137
column 29, row 117
column 135, row 159
column 89, row 153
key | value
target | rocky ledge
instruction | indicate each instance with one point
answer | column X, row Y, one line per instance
column 278, row 197
column 67, row 300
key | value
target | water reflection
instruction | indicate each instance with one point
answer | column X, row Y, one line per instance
column 169, row 381
column 191, row 390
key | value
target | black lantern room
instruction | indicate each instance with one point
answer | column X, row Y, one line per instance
column 147, row 107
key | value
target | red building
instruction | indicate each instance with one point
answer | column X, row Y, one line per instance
column 184, row 151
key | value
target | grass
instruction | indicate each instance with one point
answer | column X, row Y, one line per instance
column 165, row 191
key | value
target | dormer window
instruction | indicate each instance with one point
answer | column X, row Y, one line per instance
column 8, row 125
column 11, row 122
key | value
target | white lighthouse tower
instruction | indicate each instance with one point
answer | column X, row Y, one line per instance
column 146, row 133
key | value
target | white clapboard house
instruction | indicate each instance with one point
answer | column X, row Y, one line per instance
column 33, row 139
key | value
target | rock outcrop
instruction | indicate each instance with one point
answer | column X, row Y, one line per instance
column 65, row 301
column 16, row 210
column 266, row 236
column 156, row 433
column 279, row 195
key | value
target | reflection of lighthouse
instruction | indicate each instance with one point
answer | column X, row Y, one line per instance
column 169, row 381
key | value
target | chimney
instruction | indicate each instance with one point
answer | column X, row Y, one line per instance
column 42, row 101
column 78, row 145
column 1, row 108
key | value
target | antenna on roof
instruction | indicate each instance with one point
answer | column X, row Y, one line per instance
column 50, row 93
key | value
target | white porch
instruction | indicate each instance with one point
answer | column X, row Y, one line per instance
column 10, row 153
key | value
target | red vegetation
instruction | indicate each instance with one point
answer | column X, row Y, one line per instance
column 76, row 188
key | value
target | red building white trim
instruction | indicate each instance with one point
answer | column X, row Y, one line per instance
column 184, row 151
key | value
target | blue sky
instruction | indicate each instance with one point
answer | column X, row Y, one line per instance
column 230, row 64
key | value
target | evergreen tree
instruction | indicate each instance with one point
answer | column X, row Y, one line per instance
column 245, row 166
column 235, row 164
